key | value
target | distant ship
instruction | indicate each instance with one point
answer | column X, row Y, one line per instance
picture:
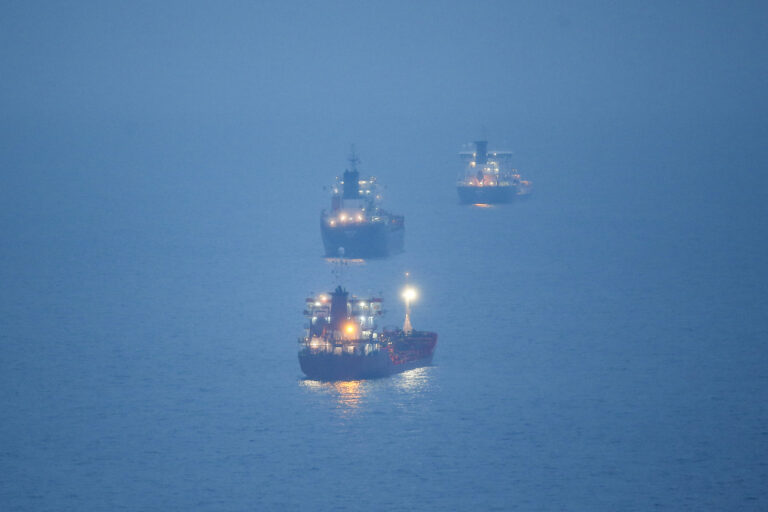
column 342, row 342
column 488, row 177
column 356, row 226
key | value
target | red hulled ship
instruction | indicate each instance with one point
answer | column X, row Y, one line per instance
column 342, row 341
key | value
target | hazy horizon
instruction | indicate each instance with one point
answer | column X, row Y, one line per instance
column 602, row 344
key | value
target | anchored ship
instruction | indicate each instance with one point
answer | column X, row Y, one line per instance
column 342, row 341
column 356, row 226
column 489, row 177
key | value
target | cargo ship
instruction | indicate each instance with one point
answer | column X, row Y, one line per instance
column 356, row 226
column 342, row 342
column 489, row 178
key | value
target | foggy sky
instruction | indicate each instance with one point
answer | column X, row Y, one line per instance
column 148, row 119
column 162, row 167
column 177, row 115
column 397, row 78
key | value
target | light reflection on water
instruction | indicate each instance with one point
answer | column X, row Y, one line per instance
column 412, row 381
column 346, row 261
column 351, row 396
column 348, row 394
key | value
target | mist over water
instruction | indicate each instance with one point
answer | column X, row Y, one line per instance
column 602, row 344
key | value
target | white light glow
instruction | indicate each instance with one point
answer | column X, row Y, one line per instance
column 409, row 294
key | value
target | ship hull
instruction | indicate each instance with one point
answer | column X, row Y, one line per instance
column 372, row 240
column 486, row 195
column 404, row 355
column 330, row 367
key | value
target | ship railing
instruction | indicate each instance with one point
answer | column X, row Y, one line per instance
column 359, row 346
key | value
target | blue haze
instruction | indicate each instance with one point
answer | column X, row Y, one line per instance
column 602, row 344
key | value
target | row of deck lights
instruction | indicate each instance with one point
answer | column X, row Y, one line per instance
column 350, row 329
column 344, row 218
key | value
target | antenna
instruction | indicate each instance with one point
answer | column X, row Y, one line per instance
column 353, row 160
column 409, row 294
column 339, row 264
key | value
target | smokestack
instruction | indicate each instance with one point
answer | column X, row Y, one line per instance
column 351, row 184
column 482, row 151
column 338, row 308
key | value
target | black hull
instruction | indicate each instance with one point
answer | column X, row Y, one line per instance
column 330, row 367
column 406, row 353
column 486, row 195
column 373, row 240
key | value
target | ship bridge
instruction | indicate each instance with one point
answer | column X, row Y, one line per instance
column 483, row 168
column 342, row 317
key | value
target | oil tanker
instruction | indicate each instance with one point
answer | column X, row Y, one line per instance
column 356, row 226
column 488, row 177
column 342, row 342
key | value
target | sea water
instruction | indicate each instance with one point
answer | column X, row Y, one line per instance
column 601, row 346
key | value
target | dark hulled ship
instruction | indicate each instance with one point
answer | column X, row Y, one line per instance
column 356, row 226
column 488, row 177
column 342, row 342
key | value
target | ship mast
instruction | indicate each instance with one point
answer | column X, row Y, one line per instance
column 353, row 159
column 339, row 264
column 407, row 328
column 409, row 294
column 351, row 182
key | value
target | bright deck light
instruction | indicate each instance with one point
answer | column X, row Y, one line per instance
column 409, row 294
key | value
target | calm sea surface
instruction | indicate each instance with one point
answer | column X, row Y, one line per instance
column 602, row 346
